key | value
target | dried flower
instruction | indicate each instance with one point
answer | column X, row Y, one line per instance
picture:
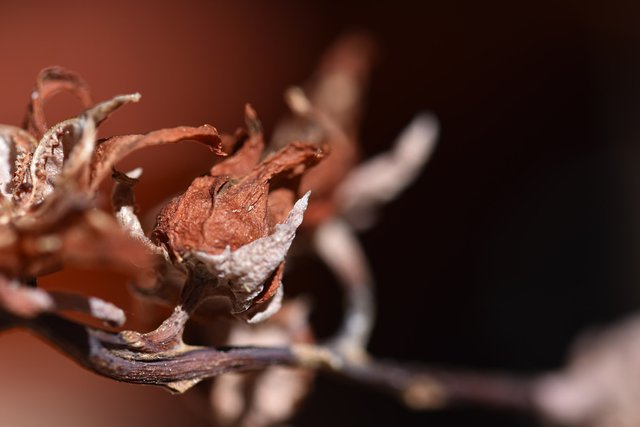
column 228, row 230
column 49, row 178
column 219, row 247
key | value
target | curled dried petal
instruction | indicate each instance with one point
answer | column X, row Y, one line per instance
column 109, row 152
column 37, row 245
column 341, row 78
column 51, row 81
column 244, row 205
column 251, row 145
column 123, row 200
column 76, row 136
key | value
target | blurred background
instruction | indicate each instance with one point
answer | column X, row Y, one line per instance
column 520, row 234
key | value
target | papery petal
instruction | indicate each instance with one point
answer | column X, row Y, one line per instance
column 251, row 146
column 241, row 211
column 219, row 212
column 109, row 152
column 75, row 136
column 51, row 81
column 245, row 270
column 69, row 234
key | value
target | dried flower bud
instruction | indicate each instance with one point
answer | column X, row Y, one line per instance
column 246, row 270
column 231, row 221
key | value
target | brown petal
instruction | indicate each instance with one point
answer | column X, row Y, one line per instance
column 36, row 245
column 249, row 149
column 124, row 205
column 216, row 212
column 51, row 81
column 50, row 162
column 109, row 152
column 240, row 212
column 179, row 224
column 338, row 85
column 336, row 90
column 345, row 152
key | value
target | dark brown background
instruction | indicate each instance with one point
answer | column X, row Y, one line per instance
column 520, row 233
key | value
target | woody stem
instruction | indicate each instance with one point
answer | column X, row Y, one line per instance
column 168, row 336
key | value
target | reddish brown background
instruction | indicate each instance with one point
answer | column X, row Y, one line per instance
column 519, row 234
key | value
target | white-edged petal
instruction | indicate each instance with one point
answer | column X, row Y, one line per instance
column 246, row 269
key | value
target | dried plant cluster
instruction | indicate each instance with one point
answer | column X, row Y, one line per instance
column 217, row 252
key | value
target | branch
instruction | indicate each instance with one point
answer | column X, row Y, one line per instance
column 108, row 354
